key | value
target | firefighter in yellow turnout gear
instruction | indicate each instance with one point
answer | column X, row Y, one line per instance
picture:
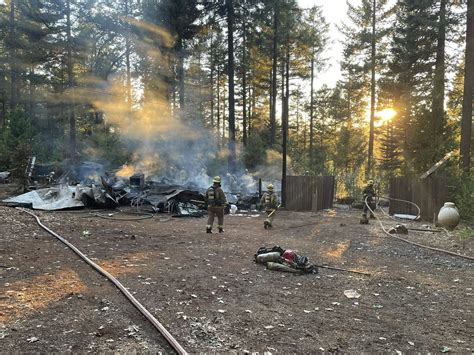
column 269, row 201
column 216, row 202
column 369, row 195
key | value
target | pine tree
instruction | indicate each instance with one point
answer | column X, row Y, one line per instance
column 411, row 68
column 365, row 36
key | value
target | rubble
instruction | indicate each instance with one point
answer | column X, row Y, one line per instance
column 4, row 177
column 50, row 199
column 88, row 184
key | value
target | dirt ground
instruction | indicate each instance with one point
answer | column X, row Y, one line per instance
column 207, row 291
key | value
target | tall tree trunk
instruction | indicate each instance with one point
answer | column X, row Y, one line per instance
column 244, row 88
column 437, row 106
column 224, row 108
column 467, row 103
column 72, row 118
column 13, row 60
column 304, row 137
column 249, row 110
column 180, row 73
column 212, row 69
column 297, row 121
column 286, row 100
column 218, row 100
column 3, row 110
column 31, row 93
column 127, row 63
column 230, row 69
column 311, row 113
column 252, row 110
column 274, row 77
column 372, row 94
column 282, row 88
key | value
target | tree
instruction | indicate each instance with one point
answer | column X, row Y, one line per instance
column 437, row 106
column 230, row 74
column 365, row 36
column 410, row 77
column 390, row 159
column 14, row 68
column 314, row 32
column 273, row 96
column 467, row 106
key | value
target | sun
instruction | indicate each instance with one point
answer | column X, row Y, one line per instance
column 384, row 116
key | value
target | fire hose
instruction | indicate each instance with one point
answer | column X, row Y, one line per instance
column 167, row 335
column 409, row 241
column 274, row 211
column 133, row 216
column 340, row 269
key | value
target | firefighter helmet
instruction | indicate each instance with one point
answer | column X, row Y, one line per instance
column 217, row 179
column 270, row 187
column 370, row 182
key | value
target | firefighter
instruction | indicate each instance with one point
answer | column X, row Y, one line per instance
column 216, row 201
column 369, row 196
column 269, row 201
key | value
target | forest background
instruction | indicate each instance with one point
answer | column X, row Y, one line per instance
column 231, row 86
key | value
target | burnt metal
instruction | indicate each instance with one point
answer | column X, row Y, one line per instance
column 137, row 181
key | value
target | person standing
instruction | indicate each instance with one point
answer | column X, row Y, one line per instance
column 269, row 201
column 216, row 201
column 369, row 197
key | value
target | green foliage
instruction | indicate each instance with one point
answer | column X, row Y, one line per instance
column 177, row 50
column 254, row 152
column 464, row 197
column 105, row 145
column 390, row 161
column 16, row 143
column 464, row 234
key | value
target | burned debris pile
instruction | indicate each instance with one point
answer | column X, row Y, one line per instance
column 90, row 185
column 4, row 177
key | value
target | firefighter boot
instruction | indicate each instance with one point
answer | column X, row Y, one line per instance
column 221, row 229
column 208, row 229
column 265, row 224
column 364, row 219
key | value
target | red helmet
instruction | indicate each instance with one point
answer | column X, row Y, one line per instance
column 289, row 255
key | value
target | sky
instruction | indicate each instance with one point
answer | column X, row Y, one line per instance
column 335, row 12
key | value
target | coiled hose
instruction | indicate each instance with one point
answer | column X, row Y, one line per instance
column 167, row 335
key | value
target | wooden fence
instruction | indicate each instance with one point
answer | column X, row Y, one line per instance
column 309, row 193
column 429, row 194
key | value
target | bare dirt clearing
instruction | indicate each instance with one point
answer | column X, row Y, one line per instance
column 211, row 296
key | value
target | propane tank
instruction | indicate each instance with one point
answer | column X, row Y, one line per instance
column 264, row 258
column 448, row 216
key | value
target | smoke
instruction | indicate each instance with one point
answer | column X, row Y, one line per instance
column 168, row 145
column 163, row 144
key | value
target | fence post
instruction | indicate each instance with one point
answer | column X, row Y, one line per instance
column 314, row 201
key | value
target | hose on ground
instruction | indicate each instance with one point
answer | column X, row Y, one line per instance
column 340, row 269
column 418, row 215
column 167, row 335
column 414, row 243
column 138, row 216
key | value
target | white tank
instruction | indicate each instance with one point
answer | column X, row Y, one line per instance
column 448, row 216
